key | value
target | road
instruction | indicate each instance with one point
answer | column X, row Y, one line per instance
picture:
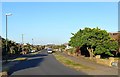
column 42, row 64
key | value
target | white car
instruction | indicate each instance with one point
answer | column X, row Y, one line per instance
column 49, row 50
column 32, row 51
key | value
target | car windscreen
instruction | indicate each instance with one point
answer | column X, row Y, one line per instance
column 49, row 49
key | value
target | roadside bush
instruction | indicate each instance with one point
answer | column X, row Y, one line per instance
column 71, row 50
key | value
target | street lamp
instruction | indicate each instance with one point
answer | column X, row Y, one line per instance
column 32, row 41
column 7, row 14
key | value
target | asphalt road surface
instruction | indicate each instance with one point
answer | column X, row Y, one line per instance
column 42, row 64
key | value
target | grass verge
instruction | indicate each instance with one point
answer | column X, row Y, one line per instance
column 71, row 63
column 34, row 53
column 20, row 59
column 5, row 69
column 117, row 58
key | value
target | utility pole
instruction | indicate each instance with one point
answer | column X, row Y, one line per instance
column 6, row 33
column 22, row 43
column 22, row 38
column 32, row 44
column 32, row 41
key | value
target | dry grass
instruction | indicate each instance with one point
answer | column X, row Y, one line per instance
column 34, row 53
column 118, row 58
column 71, row 63
column 20, row 59
column 5, row 69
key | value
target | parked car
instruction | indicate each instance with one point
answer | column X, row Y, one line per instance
column 49, row 50
column 32, row 51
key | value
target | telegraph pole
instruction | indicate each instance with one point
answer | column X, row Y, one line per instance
column 22, row 43
column 32, row 41
column 6, row 41
column 22, row 38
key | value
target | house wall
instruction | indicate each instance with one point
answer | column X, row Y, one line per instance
column 115, row 36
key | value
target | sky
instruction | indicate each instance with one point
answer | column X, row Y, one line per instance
column 53, row 22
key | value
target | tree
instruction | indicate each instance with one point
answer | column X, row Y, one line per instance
column 12, row 48
column 97, row 41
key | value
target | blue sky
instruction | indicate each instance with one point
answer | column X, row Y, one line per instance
column 53, row 22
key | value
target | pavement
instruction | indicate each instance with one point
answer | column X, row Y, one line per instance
column 99, row 69
column 41, row 64
column 4, row 67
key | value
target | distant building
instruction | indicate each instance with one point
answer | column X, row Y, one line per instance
column 24, row 44
column 50, row 44
column 115, row 36
column 67, row 46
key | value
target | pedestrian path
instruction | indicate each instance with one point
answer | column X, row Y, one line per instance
column 98, row 68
